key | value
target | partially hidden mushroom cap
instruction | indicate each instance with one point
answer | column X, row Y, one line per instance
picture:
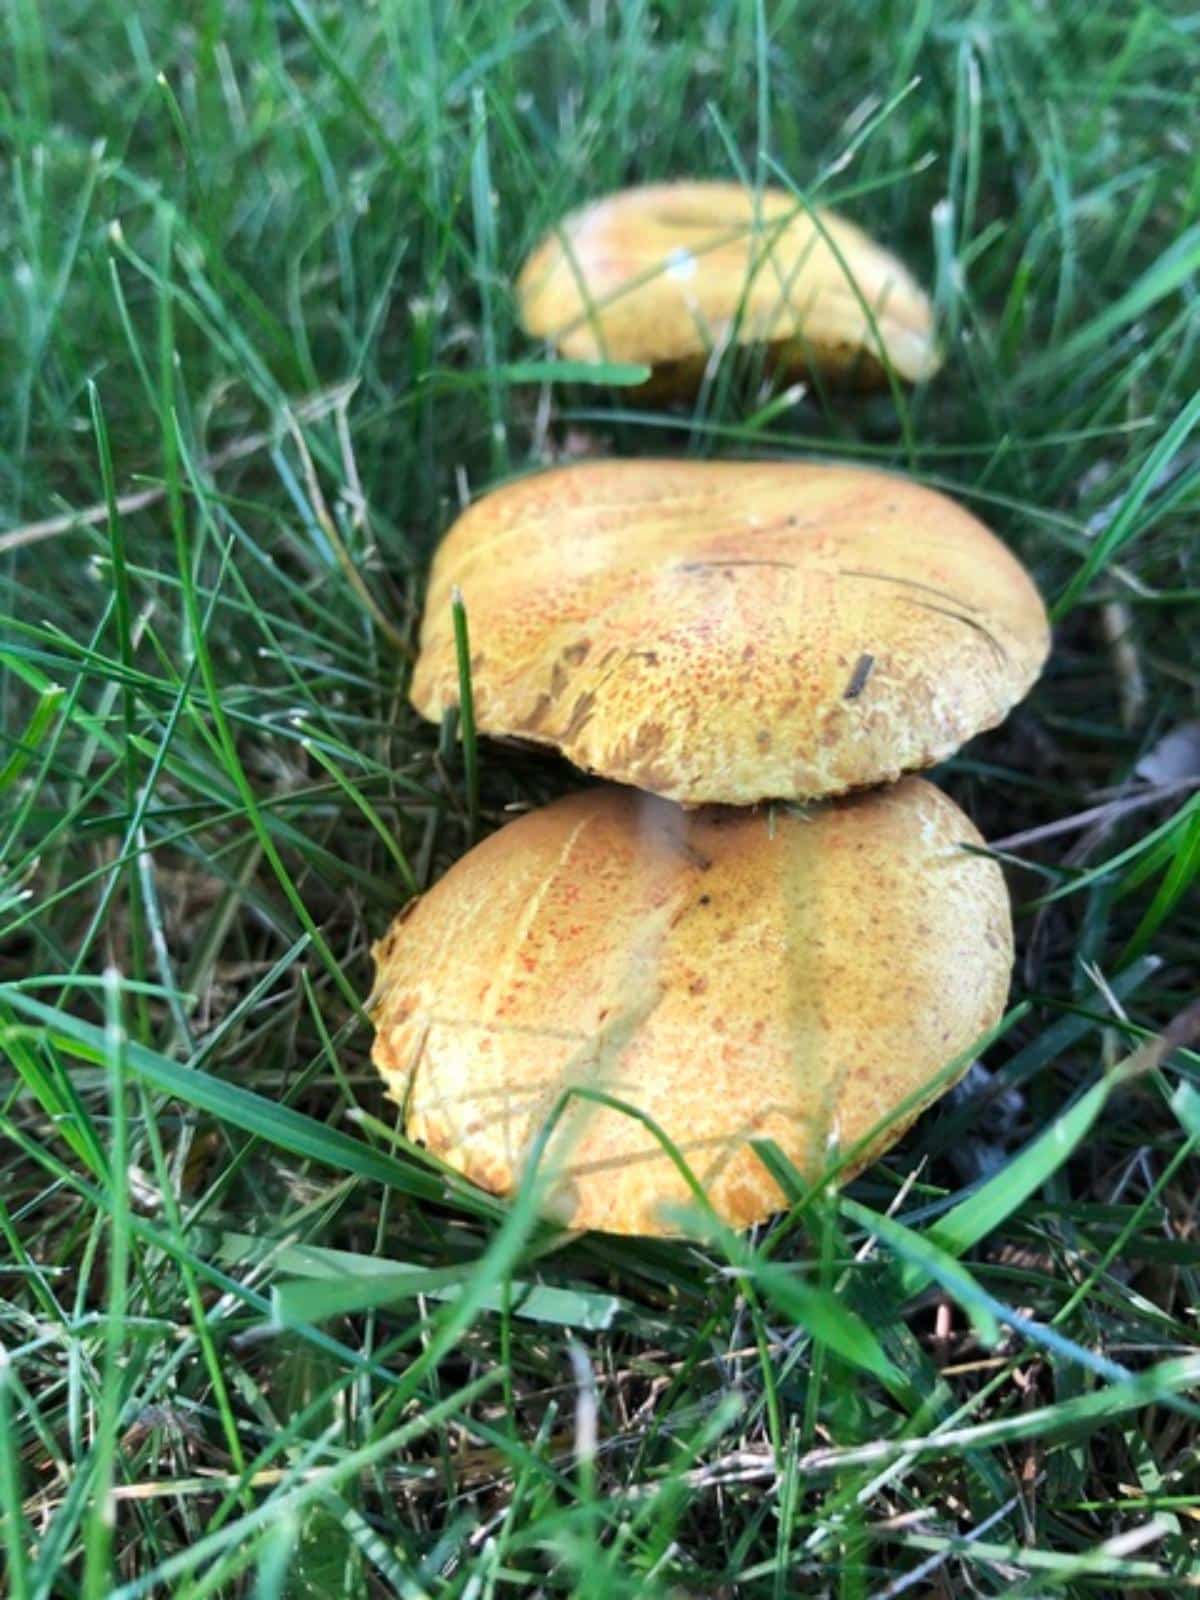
column 731, row 631
column 663, row 274
column 733, row 975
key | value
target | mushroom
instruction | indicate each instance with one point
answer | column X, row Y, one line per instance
column 803, row 977
column 732, row 631
column 664, row 274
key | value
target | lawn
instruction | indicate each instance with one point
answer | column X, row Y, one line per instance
column 258, row 346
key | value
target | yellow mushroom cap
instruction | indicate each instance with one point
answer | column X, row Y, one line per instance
column 663, row 274
column 733, row 974
column 732, row 631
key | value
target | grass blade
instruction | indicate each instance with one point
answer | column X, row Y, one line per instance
column 466, row 712
column 276, row 1124
column 1128, row 522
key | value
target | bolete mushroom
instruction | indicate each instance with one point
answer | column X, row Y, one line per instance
column 732, row 631
column 734, row 975
column 666, row 273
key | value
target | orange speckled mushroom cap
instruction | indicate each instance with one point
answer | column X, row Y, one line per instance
column 734, row 974
column 732, row 631
column 664, row 274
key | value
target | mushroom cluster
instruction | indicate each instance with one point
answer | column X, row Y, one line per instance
column 759, row 927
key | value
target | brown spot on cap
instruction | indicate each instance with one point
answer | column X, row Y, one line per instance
column 858, row 678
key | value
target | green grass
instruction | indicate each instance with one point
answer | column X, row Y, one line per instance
column 257, row 340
